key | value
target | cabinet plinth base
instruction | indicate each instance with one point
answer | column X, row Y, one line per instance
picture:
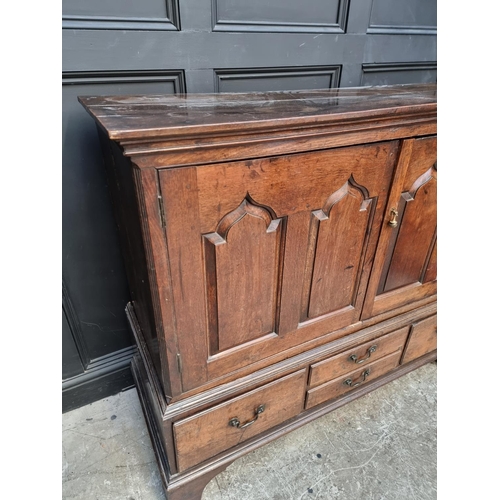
column 177, row 487
column 189, row 485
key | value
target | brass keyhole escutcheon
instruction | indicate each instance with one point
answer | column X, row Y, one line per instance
column 393, row 222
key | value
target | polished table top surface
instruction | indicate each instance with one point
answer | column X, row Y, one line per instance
column 130, row 116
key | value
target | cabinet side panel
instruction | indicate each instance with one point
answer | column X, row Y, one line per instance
column 119, row 172
column 184, row 241
column 152, row 224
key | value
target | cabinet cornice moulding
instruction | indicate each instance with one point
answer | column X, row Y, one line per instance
column 181, row 125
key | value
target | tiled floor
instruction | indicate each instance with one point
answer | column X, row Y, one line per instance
column 379, row 447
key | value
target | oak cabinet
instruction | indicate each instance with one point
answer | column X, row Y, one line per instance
column 281, row 251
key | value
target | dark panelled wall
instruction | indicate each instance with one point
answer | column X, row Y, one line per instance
column 172, row 46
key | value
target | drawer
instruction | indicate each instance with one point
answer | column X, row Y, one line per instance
column 364, row 374
column 422, row 339
column 214, row 430
column 363, row 354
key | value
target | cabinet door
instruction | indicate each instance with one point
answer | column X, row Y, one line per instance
column 270, row 253
column 405, row 263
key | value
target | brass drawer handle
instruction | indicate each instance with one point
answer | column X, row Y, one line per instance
column 369, row 351
column 234, row 422
column 394, row 218
column 361, row 379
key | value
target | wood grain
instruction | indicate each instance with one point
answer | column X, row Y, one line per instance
column 340, row 228
column 192, row 481
column 121, row 185
column 143, row 118
column 341, row 364
column 361, row 179
column 297, row 230
column 263, row 145
column 147, row 192
column 204, row 435
column 187, row 487
column 243, row 269
column 337, row 387
column 266, row 256
column 187, row 272
column 430, row 273
column 422, row 339
column 405, row 252
column 283, row 364
column 417, row 211
column 291, row 184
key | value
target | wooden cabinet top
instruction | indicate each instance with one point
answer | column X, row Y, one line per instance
column 166, row 131
column 160, row 116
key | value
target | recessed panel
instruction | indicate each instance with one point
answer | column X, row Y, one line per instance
column 404, row 14
column 336, row 241
column 398, row 73
column 242, row 268
column 71, row 362
column 115, row 8
column 271, row 15
column 258, row 80
column 92, row 262
column 416, row 235
column 150, row 15
column 410, row 257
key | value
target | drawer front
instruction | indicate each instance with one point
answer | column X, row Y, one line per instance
column 422, row 339
column 340, row 385
column 215, row 430
column 363, row 354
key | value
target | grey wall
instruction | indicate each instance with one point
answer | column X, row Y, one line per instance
column 166, row 46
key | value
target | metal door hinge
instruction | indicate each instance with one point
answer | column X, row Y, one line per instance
column 162, row 211
column 179, row 363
